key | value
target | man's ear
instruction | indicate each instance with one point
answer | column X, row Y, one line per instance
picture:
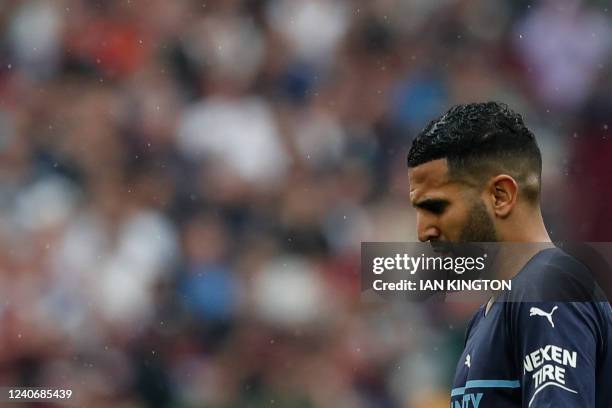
column 503, row 193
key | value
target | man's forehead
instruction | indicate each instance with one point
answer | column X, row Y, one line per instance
column 426, row 176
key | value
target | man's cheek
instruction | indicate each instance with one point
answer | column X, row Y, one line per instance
column 452, row 223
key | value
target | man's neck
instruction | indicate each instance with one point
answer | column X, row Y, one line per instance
column 527, row 227
column 511, row 258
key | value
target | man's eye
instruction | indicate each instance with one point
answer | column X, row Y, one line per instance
column 435, row 208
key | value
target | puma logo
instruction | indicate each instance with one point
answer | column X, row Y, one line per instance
column 534, row 311
column 468, row 360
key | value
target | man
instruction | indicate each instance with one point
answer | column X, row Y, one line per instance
column 475, row 176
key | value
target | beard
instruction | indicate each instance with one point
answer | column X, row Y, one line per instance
column 479, row 226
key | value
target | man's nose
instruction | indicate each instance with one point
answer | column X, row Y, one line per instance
column 426, row 229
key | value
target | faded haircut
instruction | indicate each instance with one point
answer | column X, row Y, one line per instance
column 479, row 141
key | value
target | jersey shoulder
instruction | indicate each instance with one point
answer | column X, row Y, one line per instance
column 554, row 276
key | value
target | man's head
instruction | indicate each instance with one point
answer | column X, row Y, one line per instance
column 475, row 175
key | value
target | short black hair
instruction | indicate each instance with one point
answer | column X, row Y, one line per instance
column 480, row 139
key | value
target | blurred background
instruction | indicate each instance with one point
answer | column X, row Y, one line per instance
column 184, row 186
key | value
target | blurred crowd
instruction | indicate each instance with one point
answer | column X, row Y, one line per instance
column 184, row 186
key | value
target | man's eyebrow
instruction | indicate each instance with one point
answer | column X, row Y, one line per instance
column 431, row 204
